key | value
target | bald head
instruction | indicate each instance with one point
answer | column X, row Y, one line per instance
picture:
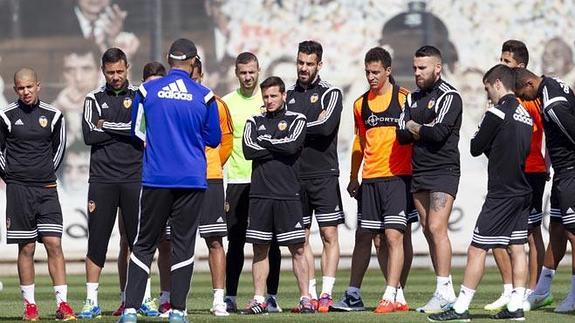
column 26, row 86
column 25, row 73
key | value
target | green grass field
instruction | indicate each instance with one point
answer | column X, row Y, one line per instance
column 421, row 285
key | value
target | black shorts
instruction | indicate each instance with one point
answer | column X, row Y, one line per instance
column 237, row 209
column 213, row 215
column 322, row 197
column 555, row 208
column 410, row 210
column 32, row 212
column 502, row 222
column 383, row 203
column 103, row 202
column 279, row 218
column 565, row 192
column 435, row 183
column 537, row 183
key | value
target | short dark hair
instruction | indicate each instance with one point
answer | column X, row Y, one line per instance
column 153, row 69
column 428, row 51
column 198, row 64
column 311, row 47
column 273, row 81
column 522, row 76
column 246, row 57
column 502, row 73
column 113, row 55
column 378, row 54
column 518, row 49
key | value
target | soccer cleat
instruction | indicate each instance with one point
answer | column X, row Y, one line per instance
column 273, row 306
column 219, row 310
column 90, row 311
column 31, row 312
column 149, row 308
column 499, row 304
column 128, row 318
column 231, row 306
column 568, row 305
column 505, row 314
column 450, row 315
column 315, row 304
column 535, row 301
column 325, row 302
column 384, row 306
column 177, row 317
column 436, row 304
column 305, row 306
column 65, row 312
column 120, row 310
column 255, row 308
column 164, row 307
column 401, row 307
column 349, row 303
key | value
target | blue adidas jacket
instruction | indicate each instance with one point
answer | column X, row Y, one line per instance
column 177, row 118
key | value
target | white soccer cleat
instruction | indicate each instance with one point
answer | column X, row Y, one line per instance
column 219, row 310
column 499, row 304
column 436, row 304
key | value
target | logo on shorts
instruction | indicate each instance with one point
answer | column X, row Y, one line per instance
column 431, row 103
column 476, row 230
column 298, row 225
column 226, row 207
column 314, row 97
column 91, row 206
column 282, row 125
column 43, row 121
column 336, row 208
column 220, row 220
column 570, row 211
column 402, row 213
column 127, row 102
column 8, row 222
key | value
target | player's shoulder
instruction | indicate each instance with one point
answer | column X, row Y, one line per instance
column 9, row 107
column 295, row 115
column 96, row 92
column 445, row 88
column 49, row 108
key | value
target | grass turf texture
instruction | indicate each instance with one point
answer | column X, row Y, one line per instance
column 420, row 287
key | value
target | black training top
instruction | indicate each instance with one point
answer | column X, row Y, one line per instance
column 438, row 110
column 273, row 141
column 115, row 156
column 322, row 104
column 504, row 136
column 32, row 143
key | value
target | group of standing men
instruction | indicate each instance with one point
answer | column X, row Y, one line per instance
column 282, row 169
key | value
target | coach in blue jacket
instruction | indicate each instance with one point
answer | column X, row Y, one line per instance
column 176, row 118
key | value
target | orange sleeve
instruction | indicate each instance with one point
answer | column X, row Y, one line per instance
column 358, row 141
column 227, row 131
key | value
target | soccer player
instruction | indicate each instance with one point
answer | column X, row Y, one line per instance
column 383, row 196
column 115, row 171
column 212, row 225
column 514, row 53
column 32, row 142
column 558, row 103
column 273, row 140
column 431, row 120
column 243, row 103
column 504, row 136
column 173, row 175
column 318, row 173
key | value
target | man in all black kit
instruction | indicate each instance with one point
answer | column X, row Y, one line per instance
column 115, row 170
column 273, row 140
column 559, row 123
column 504, row 136
column 318, row 168
column 32, row 141
column 431, row 120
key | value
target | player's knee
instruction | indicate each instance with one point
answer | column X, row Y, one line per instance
column 27, row 250
column 98, row 258
column 329, row 236
column 214, row 243
column 437, row 230
column 394, row 238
